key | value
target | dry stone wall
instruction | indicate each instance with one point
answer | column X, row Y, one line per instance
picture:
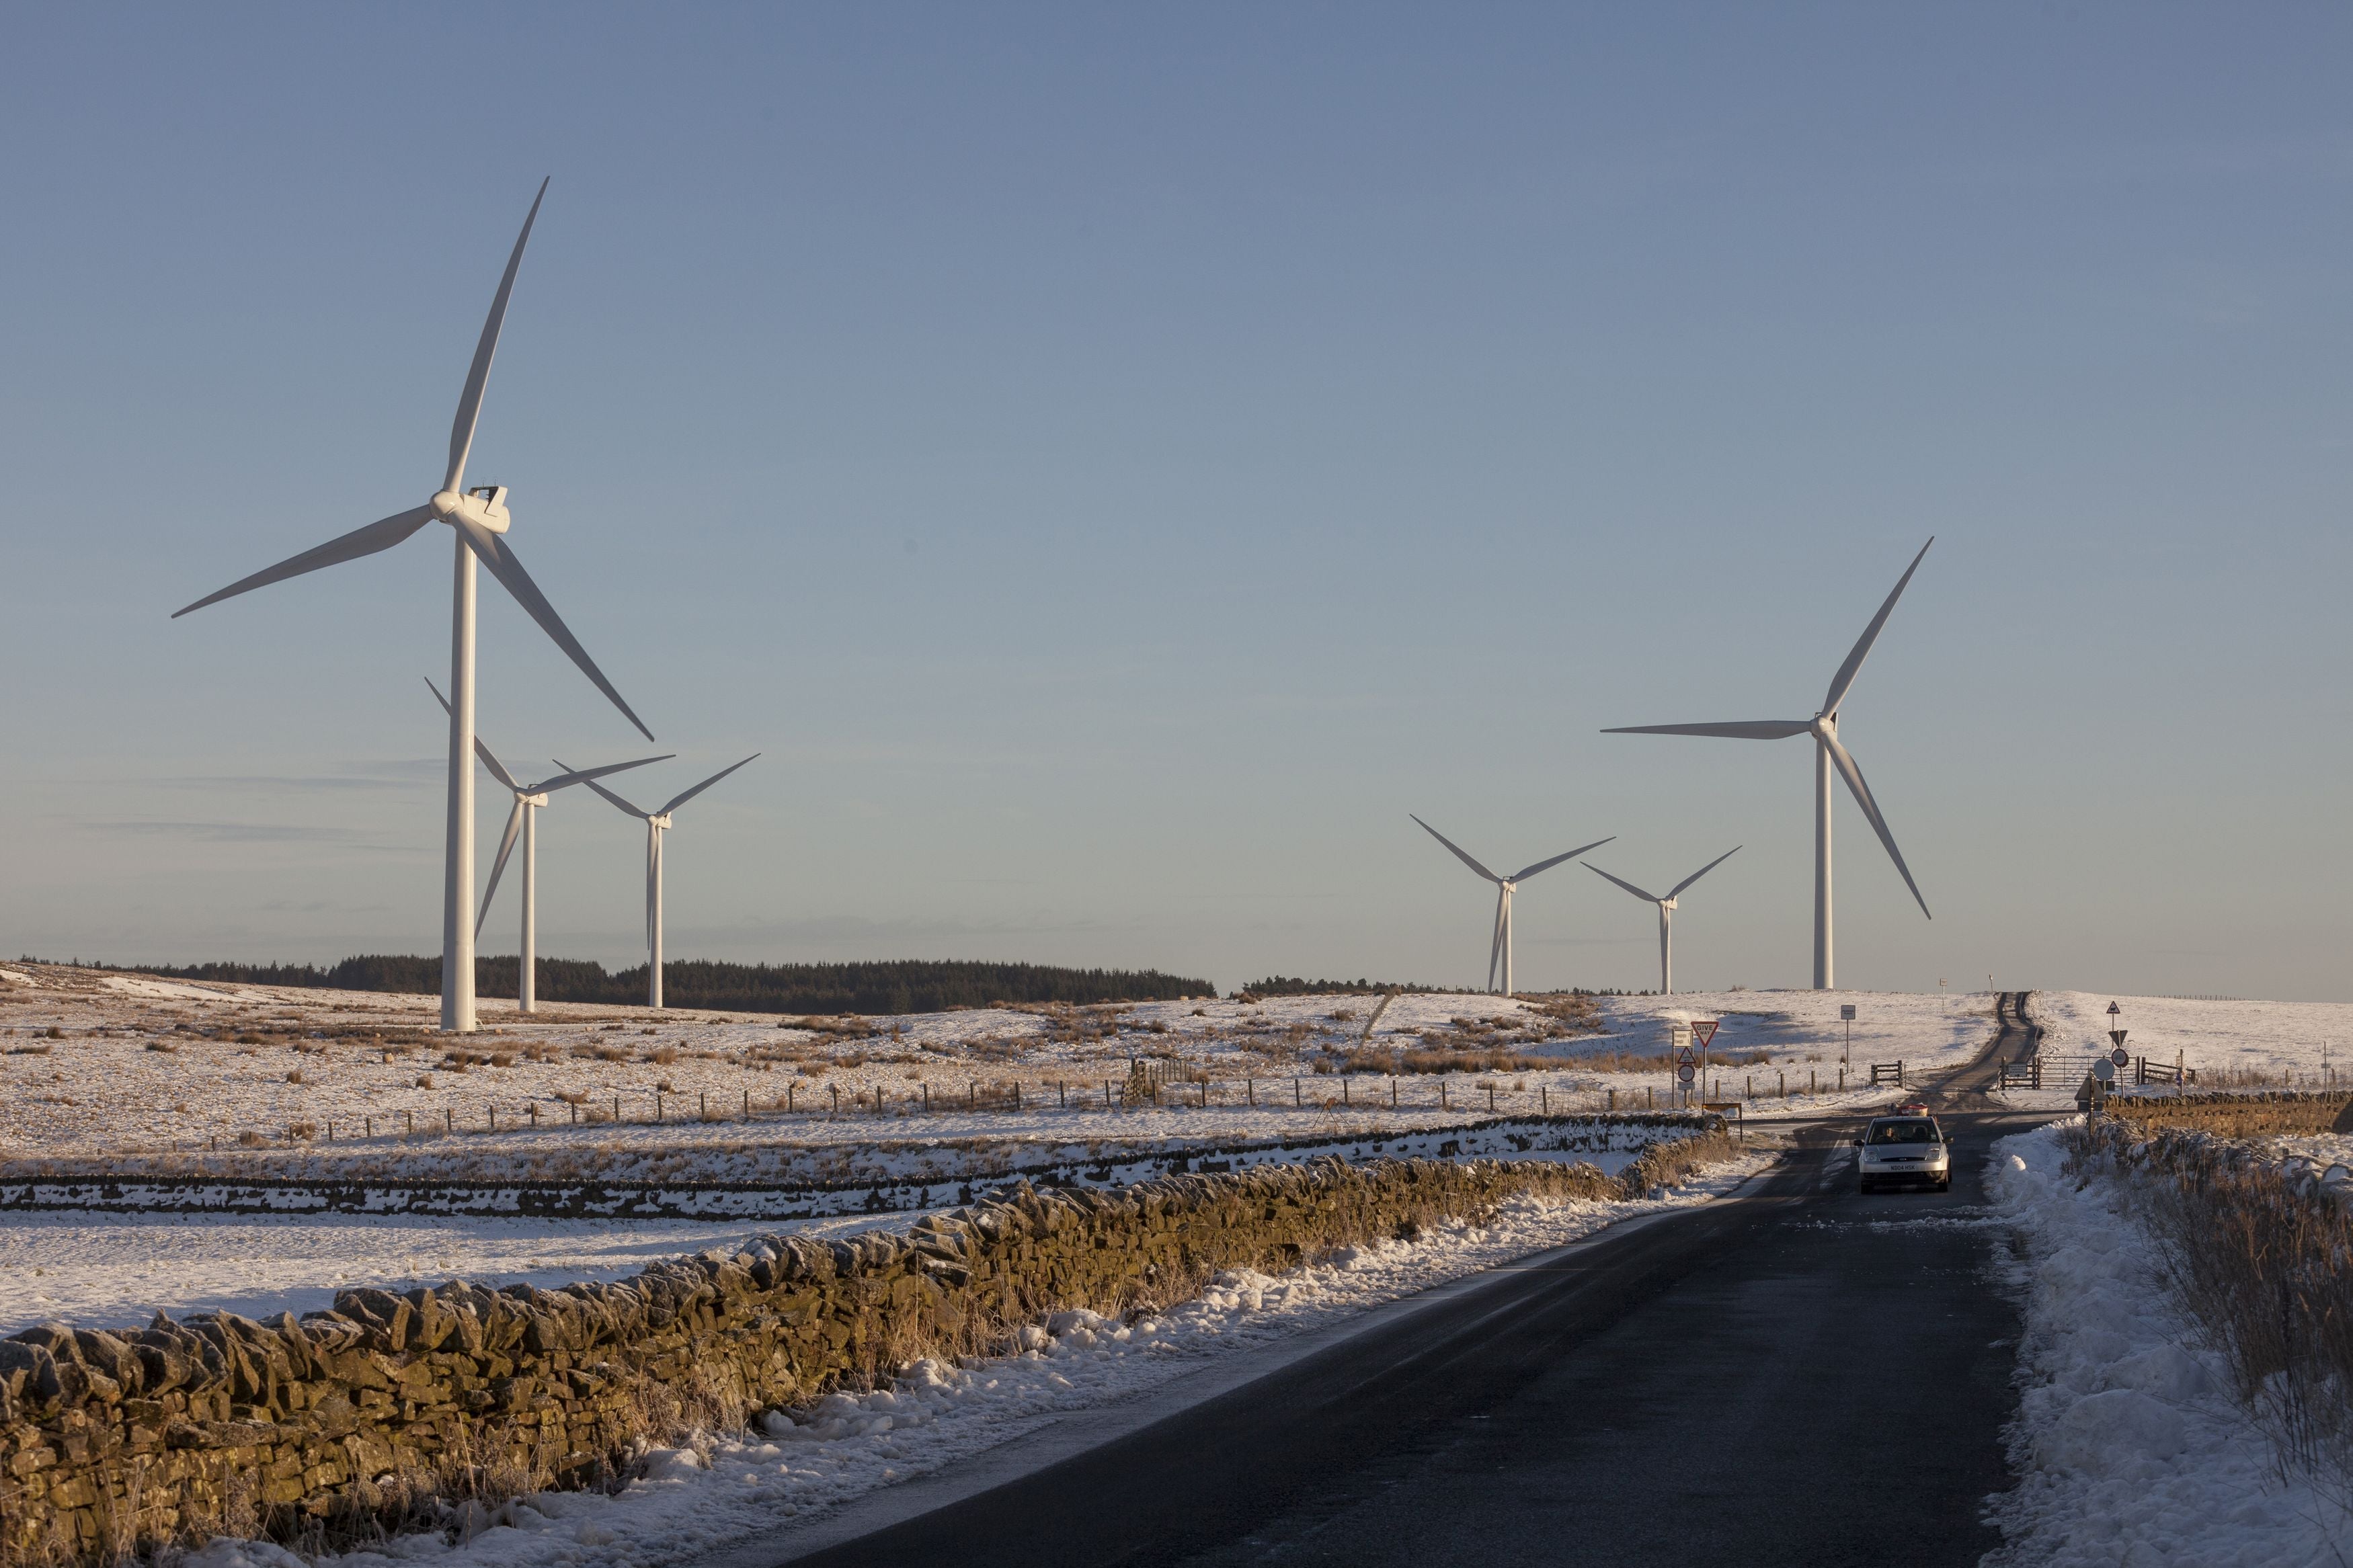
column 341, row 1422
column 2250, row 1115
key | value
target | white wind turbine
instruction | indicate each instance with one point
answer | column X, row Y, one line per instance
column 1499, row 951
column 1828, row 754
column 1666, row 913
column 656, row 824
column 479, row 519
column 524, row 820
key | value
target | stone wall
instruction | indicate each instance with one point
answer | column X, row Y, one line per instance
column 365, row 1415
column 2249, row 1115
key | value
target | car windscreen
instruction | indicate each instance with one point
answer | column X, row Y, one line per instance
column 1903, row 1132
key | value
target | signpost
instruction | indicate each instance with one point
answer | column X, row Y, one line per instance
column 1846, row 1017
column 1679, row 1063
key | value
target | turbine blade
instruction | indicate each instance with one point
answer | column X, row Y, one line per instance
column 1458, row 851
column 1638, row 892
column 1547, row 865
column 506, row 847
column 601, row 789
column 678, row 800
column 1862, row 791
column 1853, row 665
column 478, row 375
column 1736, row 730
column 566, row 781
column 498, row 769
column 499, row 557
column 381, row 534
column 1704, row 871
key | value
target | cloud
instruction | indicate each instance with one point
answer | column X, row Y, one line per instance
column 407, row 774
column 246, row 833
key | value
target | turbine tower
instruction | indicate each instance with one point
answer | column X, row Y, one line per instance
column 1828, row 756
column 479, row 518
column 1499, row 951
column 524, row 818
column 656, row 824
column 1666, row 913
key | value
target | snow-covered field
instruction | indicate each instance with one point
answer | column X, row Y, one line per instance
column 2130, row 1448
column 116, row 1270
column 724, row 1489
column 2281, row 1044
column 164, row 1076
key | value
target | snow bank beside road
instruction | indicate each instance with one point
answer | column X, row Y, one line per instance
column 2131, row 1447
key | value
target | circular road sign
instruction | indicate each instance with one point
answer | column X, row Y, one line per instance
column 2120, row 1057
column 2103, row 1070
column 1685, row 1073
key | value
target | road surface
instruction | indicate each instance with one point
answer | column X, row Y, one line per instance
column 1794, row 1375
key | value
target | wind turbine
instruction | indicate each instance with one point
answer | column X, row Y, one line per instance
column 657, row 822
column 524, row 818
column 1498, row 952
column 479, row 519
column 1828, row 754
column 1666, row 913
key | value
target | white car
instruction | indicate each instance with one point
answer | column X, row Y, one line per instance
column 1903, row 1151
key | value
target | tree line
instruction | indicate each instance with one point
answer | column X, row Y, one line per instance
column 902, row 985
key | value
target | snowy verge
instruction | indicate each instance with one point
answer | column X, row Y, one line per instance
column 2129, row 1444
column 694, row 1501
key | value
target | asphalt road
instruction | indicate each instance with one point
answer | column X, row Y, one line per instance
column 1795, row 1375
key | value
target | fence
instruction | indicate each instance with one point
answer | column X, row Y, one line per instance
column 1151, row 1082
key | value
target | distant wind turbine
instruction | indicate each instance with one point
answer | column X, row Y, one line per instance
column 1828, row 754
column 479, row 519
column 1499, row 951
column 1666, row 913
column 524, row 818
column 656, row 824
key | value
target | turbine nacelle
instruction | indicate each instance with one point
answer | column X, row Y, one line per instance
column 659, row 819
column 484, row 506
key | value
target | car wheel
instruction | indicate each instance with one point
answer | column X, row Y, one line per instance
column 1946, row 1185
column 1865, row 1188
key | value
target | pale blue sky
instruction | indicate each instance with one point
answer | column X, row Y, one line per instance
column 1116, row 465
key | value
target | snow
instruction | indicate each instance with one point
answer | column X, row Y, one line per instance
column 722, row 1489
column 2131, row 1447
column 111, row 1269
column 2229, row 1042
column 151, row 1077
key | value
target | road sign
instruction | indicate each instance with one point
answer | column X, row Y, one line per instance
column 2116, row 1038
column 1846, row 1011
column 2114, row 1009
column 2120, row 1055
column 1704, row 1031
column 1685, row 1072
column 2104, row 1069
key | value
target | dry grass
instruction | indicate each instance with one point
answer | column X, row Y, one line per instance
column 2264, row 1262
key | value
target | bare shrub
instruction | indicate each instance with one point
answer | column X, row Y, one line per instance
column 2262, row 1260
column 662, row 1055
column 294, row 1077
